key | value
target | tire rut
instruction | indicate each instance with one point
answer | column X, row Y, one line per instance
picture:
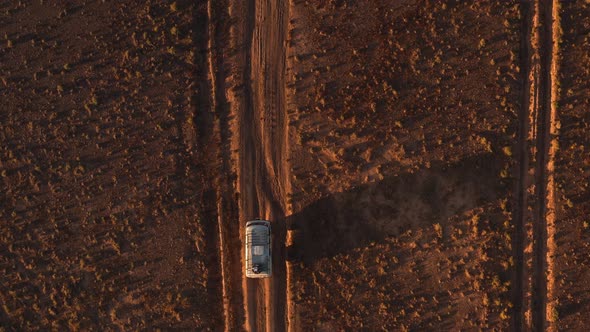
column 534, row 213
column 520, row 237
column 545, row 213
column 228, row 227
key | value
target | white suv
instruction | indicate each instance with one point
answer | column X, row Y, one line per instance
column 258, row 249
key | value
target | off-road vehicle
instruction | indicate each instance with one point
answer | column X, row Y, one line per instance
column 258, row 249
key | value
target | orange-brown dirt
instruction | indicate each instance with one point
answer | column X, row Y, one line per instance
column 106, row 219
column 572, row 171
column 405, row 116
column 422, row 163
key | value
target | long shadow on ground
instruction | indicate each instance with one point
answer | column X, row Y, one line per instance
column 372, row 212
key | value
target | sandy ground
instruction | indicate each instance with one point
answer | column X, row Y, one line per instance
column 106, row 219
column 402, row 168
column 422, row 163
column 572, row 233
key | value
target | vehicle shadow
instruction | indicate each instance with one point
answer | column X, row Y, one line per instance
column 373, row 212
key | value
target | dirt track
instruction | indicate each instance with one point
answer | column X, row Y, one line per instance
column 548, row 145
column 263, row 175
column 534, row 216
column 529, row 60
column 264, row 141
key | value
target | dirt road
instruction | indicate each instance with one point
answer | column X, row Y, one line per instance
column 263, row 154
column 534, row 217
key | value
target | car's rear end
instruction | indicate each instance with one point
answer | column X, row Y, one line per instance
column 258, row 258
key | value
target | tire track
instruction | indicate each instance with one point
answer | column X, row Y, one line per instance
column 249, row 163
column 227, row 212
column 272, row 19
column 533, row 282
column 552, row 140
column 543, row 224
column 201, row 135
column 521, row 238
column 213, row 107
column 539, row 225
column 531, row 291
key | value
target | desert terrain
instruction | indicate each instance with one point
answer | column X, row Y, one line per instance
column 424, row 164
column 572, row 170
column 105, row 209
